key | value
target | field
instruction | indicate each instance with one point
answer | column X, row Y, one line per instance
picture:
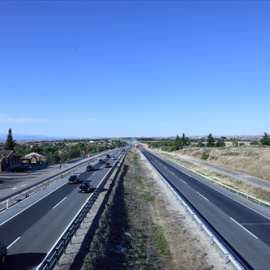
column 254, row 161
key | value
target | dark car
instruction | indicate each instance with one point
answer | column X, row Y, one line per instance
column 3, row 253
column 74, row 179
column 107, row 165
column 20, row 168
column 85, row 187
column 100, row 161
column 108, row 156
column 90, row 168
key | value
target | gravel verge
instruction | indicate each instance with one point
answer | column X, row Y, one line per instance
column 137, row 223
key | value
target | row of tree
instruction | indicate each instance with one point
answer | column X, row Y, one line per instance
column 210, row 141
column 61, row 151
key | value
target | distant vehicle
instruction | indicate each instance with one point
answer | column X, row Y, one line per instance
column 107, row 165
column 90, row 168
column 74, row 179
column 113, row 157
column 86, row 187
column 108, row 156
column 3, row 253
column 100, row 161
column 20, row 168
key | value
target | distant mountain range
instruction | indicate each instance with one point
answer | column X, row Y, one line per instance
column 25, row 137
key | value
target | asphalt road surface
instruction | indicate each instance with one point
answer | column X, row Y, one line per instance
column 32, row 227
column 246, row 226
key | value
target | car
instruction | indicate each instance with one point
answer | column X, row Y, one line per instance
column 20, row 168
column 113, row 157
column 100, row 161
column 85, row 187
column 108, row 156
column 74, row 179
column 107, row 165
column 3, row 253
column 90, row 168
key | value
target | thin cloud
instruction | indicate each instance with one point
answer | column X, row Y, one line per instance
column 16, row 120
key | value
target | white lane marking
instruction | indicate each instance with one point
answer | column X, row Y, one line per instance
column 23, row 185
column 59, row 203
column 14, row 188
column 31, row 204
column 238, row 202
column 204, row 197
column 94, row 173
column 13, row 242
column 244, row 228
column 183, row 181
column 172, row 173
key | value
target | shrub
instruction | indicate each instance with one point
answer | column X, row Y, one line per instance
column 204, row 156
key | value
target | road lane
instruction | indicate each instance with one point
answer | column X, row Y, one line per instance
column 244, row 227
column 31, row 233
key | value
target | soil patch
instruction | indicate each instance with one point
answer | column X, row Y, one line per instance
column 141, row 226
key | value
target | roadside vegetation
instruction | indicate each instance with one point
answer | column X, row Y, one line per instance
column 127, row 237
column 59, row 151
column 247, row 155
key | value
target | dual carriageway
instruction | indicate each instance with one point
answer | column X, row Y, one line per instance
column 31, row 227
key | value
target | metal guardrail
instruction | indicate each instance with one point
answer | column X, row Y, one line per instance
column 19, row 196
column 243, row 194
column 56, row 252
column 229, row 254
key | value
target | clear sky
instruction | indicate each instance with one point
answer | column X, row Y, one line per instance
column 135, row 68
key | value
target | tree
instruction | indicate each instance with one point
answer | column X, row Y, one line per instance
column 178, row 143
column 185, row 140
column 265, row 140
column 210, row 141
column 10, row 143
column 220, row 143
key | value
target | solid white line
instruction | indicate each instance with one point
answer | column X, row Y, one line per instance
column 13, row 242
column 239, row 202
column 244, row 228
column 31, row 204
column 59, row 203
column 204, row 197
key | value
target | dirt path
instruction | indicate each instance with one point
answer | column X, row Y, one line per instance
column 137, row 223
column 255, row 181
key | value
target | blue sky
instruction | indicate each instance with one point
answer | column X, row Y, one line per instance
column 135, row 68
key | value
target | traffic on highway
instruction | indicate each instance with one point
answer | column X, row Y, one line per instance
column 30, row 228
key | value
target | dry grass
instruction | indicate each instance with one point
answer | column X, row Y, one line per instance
column 249, row 160
column 254, row 161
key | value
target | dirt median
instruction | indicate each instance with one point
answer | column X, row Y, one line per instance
column 137, row 223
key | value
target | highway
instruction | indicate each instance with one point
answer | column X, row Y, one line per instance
column 32, row 227
column 241, row 223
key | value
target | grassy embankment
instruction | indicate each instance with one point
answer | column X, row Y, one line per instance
column 254, row 161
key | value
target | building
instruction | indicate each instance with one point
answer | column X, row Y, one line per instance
column 33, row 158
column 8, row 159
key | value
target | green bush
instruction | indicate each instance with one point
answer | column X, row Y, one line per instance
column 204, row 156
